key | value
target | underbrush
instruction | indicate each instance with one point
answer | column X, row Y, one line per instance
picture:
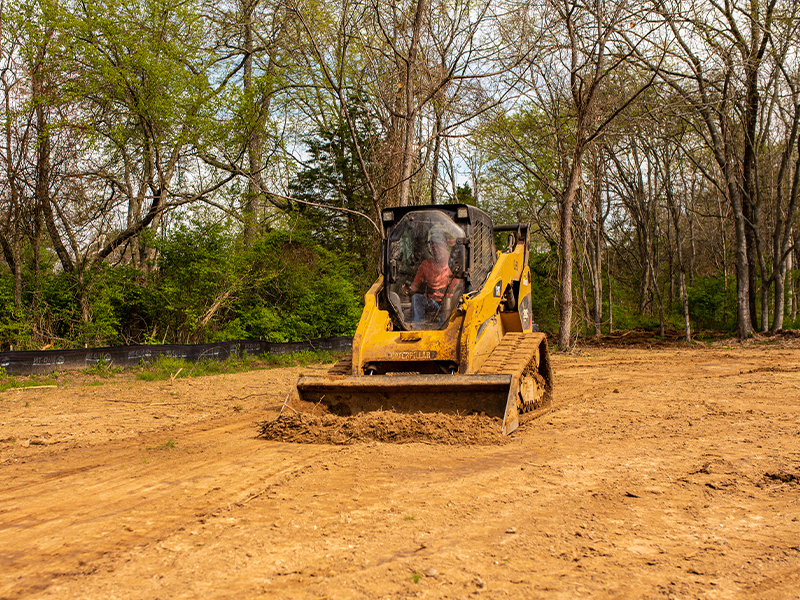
column 178, row 368
column 7, row 382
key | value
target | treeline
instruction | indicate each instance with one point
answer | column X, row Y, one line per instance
column 205, row 287
column 186, row 172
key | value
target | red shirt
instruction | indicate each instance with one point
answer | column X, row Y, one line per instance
column 436, row 275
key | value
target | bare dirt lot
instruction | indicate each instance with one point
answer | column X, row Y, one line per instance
column 668, row 472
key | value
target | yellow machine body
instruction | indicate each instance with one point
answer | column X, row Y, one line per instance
column 484, row 359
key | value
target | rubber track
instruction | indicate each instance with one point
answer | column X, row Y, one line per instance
column 512, row 355
column 519, row 354
column 343, row 367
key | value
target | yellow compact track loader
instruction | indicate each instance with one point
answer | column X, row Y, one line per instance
column 447, row 327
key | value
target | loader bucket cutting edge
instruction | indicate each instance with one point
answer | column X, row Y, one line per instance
column 492, row 395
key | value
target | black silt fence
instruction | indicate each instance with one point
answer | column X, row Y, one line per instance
column 46, row 361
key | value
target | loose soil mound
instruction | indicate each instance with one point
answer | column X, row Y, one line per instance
column 385, row 426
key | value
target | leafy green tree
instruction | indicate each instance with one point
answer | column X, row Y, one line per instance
column 29, row 104
column 708, row 299
column 464, row 195
column 332, row 177
column 140, row 73
column 284, row 287
column 309, row 288
column 243, row 133
column 519, row 174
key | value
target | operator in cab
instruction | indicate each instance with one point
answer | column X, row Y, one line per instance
column 434, row 273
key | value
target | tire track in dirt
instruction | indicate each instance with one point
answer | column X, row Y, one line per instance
column 57, row 521
column 657, row 474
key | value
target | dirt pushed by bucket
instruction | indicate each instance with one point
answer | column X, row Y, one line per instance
column 384, row 426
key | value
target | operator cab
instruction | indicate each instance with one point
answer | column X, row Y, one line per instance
column 432, row 255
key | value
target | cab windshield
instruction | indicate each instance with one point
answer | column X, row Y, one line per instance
column 425, row 284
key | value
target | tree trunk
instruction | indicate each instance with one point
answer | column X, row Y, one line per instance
column 610, row 298
column 778, row 311
column 644, row 284
column 743, row 320
column 595, row 246
column 674, row 210
column 410, row 109
column 582, row 274
column 255, row 141
column 792, row 283
column 671, row 264
column 657, row 291
column 11, row 252
column 687, row 327
column 565, row 247
column 42, row 190
column 782, row 238
column 437, row 143
column 693, row 254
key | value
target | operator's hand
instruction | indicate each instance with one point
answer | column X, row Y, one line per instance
column 405, row 289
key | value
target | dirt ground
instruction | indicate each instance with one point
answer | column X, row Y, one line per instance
column 668, row 472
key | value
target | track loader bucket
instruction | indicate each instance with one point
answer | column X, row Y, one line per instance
column 513, row 383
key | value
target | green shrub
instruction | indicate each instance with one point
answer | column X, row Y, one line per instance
column 283, row 289
column 711, row 304
column 544, row 308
